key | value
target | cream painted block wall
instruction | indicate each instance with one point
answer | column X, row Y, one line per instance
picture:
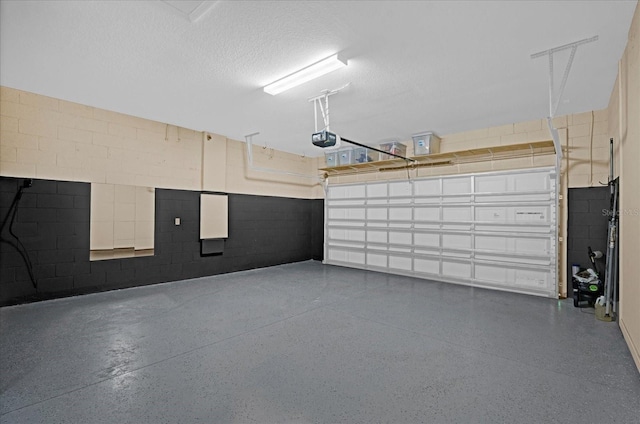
column 214, row 162
column 586, row 142
column 242, row 179
column 586, row 155
column 624, row 126
column 43, row 137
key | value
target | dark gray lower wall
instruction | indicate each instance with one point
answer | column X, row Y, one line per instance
column 53, row 224
column 587, row 226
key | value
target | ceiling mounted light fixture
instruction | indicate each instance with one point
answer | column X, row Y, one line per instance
column 314, row 71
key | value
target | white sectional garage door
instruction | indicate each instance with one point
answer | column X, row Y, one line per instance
column 496, row 230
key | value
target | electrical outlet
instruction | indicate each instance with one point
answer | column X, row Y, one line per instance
column 177, row 221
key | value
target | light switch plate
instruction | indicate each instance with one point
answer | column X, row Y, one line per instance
column 177, row 221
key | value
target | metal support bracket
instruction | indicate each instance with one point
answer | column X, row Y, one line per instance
column 324, row 108
column 249, row 142
column 554, row 97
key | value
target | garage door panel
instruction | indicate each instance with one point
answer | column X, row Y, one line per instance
column 427, row 187
column 456, row 241
column 511, row 198
column 456, row 213
column 347, row 256
column 377, row 236
column 377, row 213
column 513, row 229
column 399, row 214
column 400, row 238
column 377, row 260
column 494, row 230
column 509, row 244
column 377, row 190
column 530, row 280
column 427, row 239
column 530, row 182
column 491, row 184
column 456, row 185
column 427, row 266
column 505, row 259
column 427, row 214
column 456, row 269
column 400, row 262
column 400, row 189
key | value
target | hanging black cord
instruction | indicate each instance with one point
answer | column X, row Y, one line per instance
column 13, row 210
column 13, row 204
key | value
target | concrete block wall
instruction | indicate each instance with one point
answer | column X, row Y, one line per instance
column 624, row 125
column 588, row 149
column 48, row 138
column 59, row 143
column 53, row 224
column 241, row 178
column 584, row 136
column 587, row 226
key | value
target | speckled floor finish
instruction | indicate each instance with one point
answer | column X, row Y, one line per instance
column 310, row 343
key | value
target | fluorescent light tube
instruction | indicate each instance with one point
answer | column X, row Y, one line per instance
column 316, row 70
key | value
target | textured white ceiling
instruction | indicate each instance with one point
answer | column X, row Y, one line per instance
column 413, row 66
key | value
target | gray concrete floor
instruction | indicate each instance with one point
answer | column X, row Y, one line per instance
column 309, row 343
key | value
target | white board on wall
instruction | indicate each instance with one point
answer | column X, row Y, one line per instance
column 214, row 216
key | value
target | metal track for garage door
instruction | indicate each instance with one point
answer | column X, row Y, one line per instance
column 495, row 230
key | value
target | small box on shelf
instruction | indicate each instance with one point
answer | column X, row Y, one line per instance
column 393, row 147
column 362, row 155
column 331, row 158
column 345, row 156
column 425, row 143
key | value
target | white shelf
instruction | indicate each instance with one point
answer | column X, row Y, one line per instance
column 510, row 151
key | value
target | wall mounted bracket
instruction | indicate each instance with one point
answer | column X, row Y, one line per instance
column 555, row 96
